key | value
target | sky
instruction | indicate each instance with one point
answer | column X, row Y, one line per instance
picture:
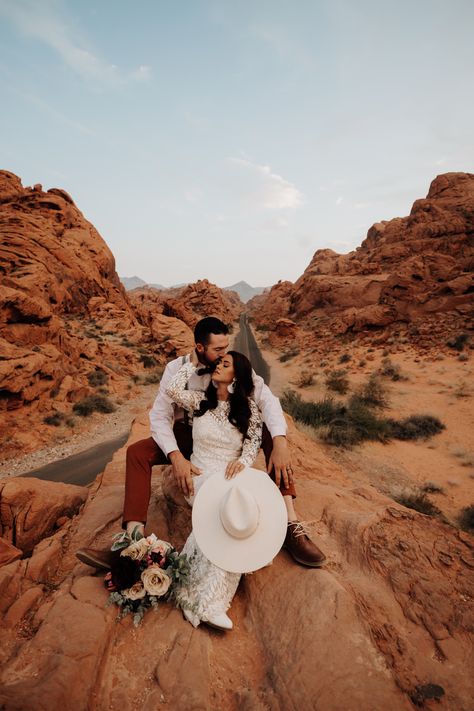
column 231, row 140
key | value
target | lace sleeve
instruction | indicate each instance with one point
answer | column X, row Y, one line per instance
column 252, row 443
column 176, row 390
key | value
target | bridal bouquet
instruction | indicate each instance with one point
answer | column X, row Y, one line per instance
column 144, row 570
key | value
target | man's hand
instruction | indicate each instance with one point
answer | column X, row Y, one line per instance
column 183, row 472
column 194, row 359
column 233, row 468
column 281, row 460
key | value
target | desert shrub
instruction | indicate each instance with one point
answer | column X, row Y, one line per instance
column 288, row 355
column 103, row 391
column 458, row 342
column 356, row 423
column 125, row 342
column 462, row 390
column 262, row 327
column 93, row 403
column 372, row 393
column 36, row 349
column 463, row 357
column 418, row 501
column 56, row 419
column 415, row 427
column 431, row 487
column 305, row 379
column 148, row 361
column 338, row 381
column 153, row 377
column 362, row 363
column 345, row 358
column 136, row 379
column 466, row 518
column 97, row 377
column 314, row 414
column 390, row 370
column 70, row 422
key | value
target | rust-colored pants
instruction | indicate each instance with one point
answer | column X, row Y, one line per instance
column 145, row 454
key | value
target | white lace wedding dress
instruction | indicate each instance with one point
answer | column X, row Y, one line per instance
column 209, row 589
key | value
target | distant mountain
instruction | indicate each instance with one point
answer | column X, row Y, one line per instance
column 245, row 291
column 135, row 282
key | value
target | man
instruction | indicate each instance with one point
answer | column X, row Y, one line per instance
column 171, row 442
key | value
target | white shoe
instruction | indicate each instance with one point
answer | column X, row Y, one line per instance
column 220, row 622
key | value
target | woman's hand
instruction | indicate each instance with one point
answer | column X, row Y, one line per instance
column 233, row 468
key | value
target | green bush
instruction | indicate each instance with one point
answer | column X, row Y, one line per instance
column 153, row 377
column 148, row 361
column 415, row 427
column 314, row 414
column 466, row 518
column 97, row 377
column 338, row 381
column 288, row 355
column 93, row 403
column 390, row 370
column 372, row 393
column 458, row 342
column 56, row 419
column 418, row 501
column 356, row 424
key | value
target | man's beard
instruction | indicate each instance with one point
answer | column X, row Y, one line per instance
column 207, row 366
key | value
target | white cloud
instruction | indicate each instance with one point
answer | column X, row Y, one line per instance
column 269, row 190
column 43, row 22
column 339, row 200
column 193, row 195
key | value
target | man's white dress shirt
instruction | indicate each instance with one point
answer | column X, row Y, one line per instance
column 164, row 412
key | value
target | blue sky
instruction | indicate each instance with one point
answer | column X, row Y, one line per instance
column 230, row 140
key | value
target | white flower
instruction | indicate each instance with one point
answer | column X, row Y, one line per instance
column 137, row 550
column 156, row 581
column 136, row 592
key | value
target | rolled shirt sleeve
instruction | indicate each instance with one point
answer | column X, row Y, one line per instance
column 269, row 406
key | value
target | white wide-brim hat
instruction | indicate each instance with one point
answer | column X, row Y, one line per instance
column 240, row 523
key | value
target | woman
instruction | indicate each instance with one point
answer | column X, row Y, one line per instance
column 227, row 430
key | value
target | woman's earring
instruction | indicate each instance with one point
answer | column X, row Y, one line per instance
column 231, row 386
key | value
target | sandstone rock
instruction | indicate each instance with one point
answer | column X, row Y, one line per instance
column 389, row 613
column 172, row 336
column 8, row 552
column 29, row 509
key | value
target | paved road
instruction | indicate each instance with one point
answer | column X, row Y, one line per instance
column 245, row 343
column 81, row 468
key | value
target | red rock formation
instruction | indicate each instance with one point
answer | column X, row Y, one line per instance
column 387, row 620
column 189, row 303
column 59, row 292
column 30, row 509
column 406, row 270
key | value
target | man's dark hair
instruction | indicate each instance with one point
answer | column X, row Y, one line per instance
column 206, row 326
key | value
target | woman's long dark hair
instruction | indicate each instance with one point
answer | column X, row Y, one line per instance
column 239, row 414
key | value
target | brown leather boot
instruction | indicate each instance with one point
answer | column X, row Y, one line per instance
column 100, row 559
column 301, row 547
